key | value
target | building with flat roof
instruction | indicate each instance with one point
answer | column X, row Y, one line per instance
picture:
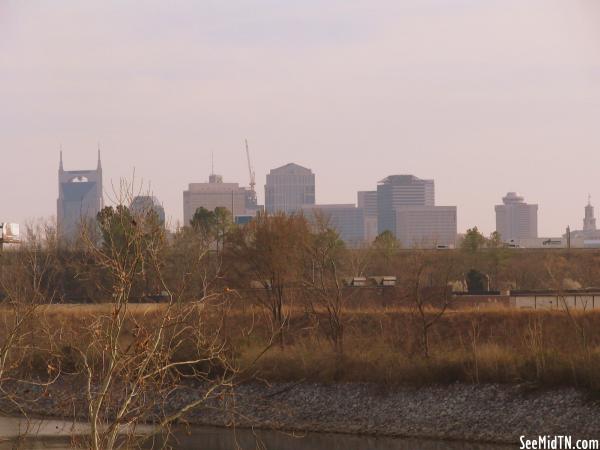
column 289, row 188
column 397, row 191
column 79, row 198
column 215, row 194
column 346, row 219
column 367, row 201
column 426, row 226
column 515, row 219
column 406, row 207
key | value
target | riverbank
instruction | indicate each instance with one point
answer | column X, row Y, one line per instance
column 488, row 413
column 484, row 412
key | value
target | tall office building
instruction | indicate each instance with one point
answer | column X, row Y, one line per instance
column 406, row 207
column 516, row 219
column 397, row 191
column 289, row 188
column 214, row 194
column 426, row 226
column 346, row 219
column 143, row 204
column 79, row 198
column 367, row 201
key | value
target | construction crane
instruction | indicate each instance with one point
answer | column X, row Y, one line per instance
column 251, row 201
column 250, row 169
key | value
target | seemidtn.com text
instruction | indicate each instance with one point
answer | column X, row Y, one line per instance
column 558, row 443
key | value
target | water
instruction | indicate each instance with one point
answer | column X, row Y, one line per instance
column 54, row 434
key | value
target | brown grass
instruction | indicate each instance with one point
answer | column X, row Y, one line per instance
column 380, row 345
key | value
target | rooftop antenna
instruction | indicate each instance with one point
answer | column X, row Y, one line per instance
column 60, row 165
column 212, row 163
column 589, row 199
column 99, row 163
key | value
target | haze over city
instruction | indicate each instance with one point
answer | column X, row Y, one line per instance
column 300, row 225
column 483, row 96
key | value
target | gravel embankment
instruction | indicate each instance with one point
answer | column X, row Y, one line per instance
column 490, row 413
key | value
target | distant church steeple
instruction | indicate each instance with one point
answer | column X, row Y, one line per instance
column 589, row 221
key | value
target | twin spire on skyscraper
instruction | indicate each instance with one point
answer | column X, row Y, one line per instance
column 60, row 164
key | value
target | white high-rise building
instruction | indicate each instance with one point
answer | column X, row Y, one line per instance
column 515, row 219
column 289, row 188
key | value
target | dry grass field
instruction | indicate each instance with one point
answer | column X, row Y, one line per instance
column 381, row 345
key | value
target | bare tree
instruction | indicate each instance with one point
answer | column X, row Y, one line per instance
column 132, row 366
column 328, row 254
column 273, row 248
column 429, row 290
column 26, row 284
column 558, row 270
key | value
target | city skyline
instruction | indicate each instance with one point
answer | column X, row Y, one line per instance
column 173, row 223
column 299, row 224
column 403, row 204
column 422, row 87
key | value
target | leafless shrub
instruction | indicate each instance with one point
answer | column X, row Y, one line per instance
column 132, row 368
column 429, row 291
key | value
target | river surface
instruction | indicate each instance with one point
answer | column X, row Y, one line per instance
column 55, row 434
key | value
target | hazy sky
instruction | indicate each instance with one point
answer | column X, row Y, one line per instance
column 484, row 96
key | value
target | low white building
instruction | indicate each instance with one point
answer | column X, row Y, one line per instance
column 542, row 242
column 582, row 299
